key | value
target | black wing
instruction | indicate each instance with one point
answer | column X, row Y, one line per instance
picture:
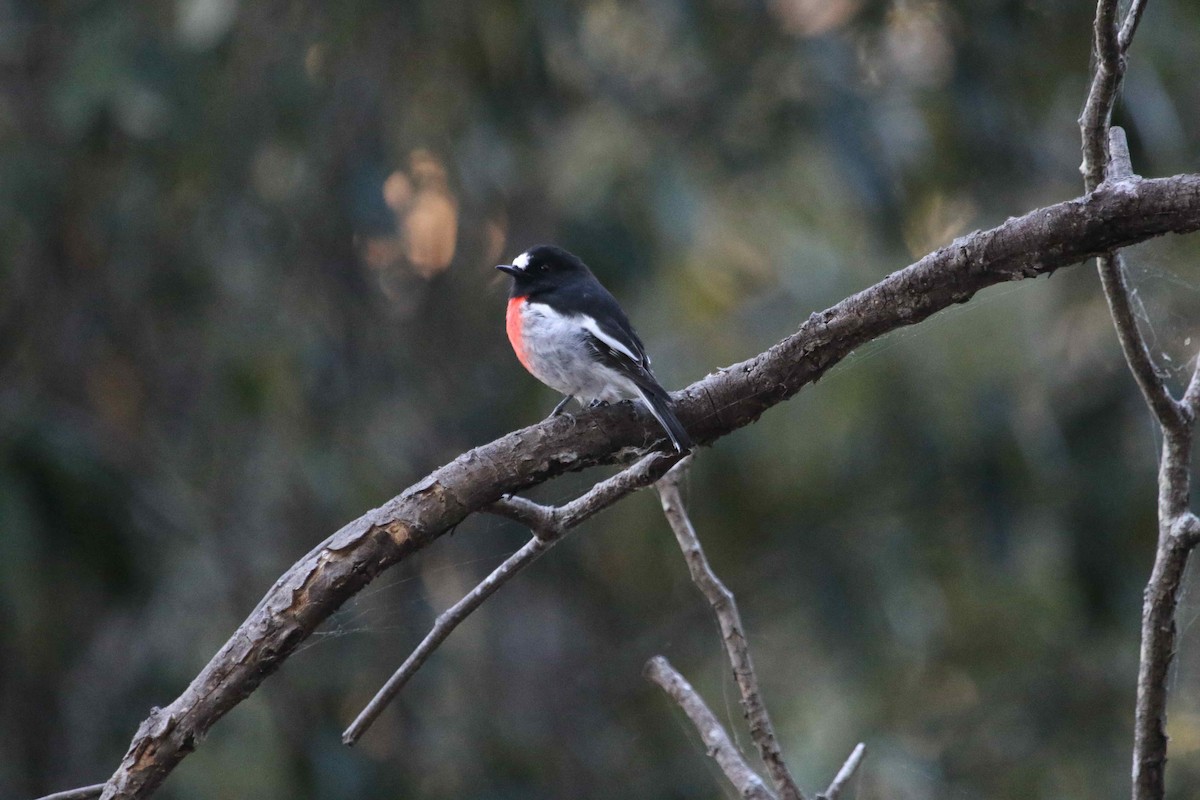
column 614, row 337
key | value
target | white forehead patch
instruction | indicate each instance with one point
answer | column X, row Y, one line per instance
column 521, row 261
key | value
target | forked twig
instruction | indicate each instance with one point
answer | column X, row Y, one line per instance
column 716, row 740
column 737, row 649
column 1106, row 157
column 549, row 525
column 732, row 633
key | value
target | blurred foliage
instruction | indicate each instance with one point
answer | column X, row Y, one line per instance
column 247, row 294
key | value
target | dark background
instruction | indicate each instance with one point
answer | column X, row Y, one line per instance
column 246, row 251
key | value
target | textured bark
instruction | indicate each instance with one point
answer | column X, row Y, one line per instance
column 1037, row 243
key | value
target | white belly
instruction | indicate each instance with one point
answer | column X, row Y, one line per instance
column 559, row 356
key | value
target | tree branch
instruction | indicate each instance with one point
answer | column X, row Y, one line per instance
column 845, row 774
column 549, row 525
column 1116, row 290
column 732, row 633
column 82, row 793
column 1106, row 80
column 1130, row 25
column 1176, row 524
column 1037, row 243
column 722, row 750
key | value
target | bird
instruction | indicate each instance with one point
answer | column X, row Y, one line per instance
column 570, row 333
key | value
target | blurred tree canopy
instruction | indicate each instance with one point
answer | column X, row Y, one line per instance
column 246, row 251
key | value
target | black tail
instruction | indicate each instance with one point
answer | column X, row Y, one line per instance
column 659, row 403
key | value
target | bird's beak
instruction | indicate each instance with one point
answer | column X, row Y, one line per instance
column 510, row 269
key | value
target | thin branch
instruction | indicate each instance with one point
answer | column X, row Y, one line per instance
column 1037, row 243
column 716, row 740
column 1130, row 25
column 645, row 472
column 1133, row 345
column 1175, row 418
column 549, row 525
column 82, row 793
column 1106, row 80
column 732, row 633
column 845, row 774
column 446, row 622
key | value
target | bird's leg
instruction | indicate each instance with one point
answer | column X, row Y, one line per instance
column 558, row 409
column 597, row 403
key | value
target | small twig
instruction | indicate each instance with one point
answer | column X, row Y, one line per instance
column 608, row 491
column 446, row 622
column 1191, row 396
column 549, row 525
column 732, row 633
column 1120, row 165
column 82, row 793
column 720, row 748
column 1133, row 345
column 1130, row 25
column 844, row 774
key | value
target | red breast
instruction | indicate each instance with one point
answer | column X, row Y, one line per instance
column 516, row 332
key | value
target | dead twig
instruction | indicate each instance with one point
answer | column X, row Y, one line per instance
column 82, row 793
column 733, row 634
column 716, row 740
column 549, row 525
column 738, row 651
column 845, row 774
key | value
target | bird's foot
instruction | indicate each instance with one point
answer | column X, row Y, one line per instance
column 558, row 409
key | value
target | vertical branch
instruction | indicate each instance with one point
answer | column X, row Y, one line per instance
column 1109, row 157
column 1106, row 79
column 734, row 637
column 732, row 633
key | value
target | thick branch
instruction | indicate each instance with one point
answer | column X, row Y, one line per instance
column 549, row 525
column 722, row 750
column 1037, row 243
column 732, row 634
